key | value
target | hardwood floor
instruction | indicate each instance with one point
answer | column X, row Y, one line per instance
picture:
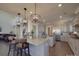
column 60, row 49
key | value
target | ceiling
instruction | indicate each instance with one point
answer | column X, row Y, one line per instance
column 49, row 11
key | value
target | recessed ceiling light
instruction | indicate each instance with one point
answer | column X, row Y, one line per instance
column 30, row 12
column 59, row 5
column 60, row 17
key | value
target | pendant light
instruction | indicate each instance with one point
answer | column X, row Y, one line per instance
column 35, row 17
column 18, row 20
column 25, row 20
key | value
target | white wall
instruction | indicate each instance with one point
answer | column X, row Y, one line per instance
column 6, row 21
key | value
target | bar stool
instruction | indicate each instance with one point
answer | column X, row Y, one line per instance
column 19, row 48
column 22, row 46
column 12, row 45
column 25, row 47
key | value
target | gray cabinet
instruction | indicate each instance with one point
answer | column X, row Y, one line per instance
column 74, row 44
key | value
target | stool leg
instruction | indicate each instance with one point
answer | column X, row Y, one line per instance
column 14, row 50
column 9, row 50
column 17, row 51
column 28, row 51
column 25, row 52
column 21, row 51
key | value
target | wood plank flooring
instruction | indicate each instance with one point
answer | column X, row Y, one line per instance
column 60, row 49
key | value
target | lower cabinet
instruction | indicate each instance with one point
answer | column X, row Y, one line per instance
column 39, row 50
column 74, row 44
column 77, row 47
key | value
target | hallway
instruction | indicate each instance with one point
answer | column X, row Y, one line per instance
column 60, row 49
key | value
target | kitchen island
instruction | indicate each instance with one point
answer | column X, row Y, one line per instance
column 38, row 46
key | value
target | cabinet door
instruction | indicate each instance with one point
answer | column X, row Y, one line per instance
column 77, row 47
column 72, row 45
